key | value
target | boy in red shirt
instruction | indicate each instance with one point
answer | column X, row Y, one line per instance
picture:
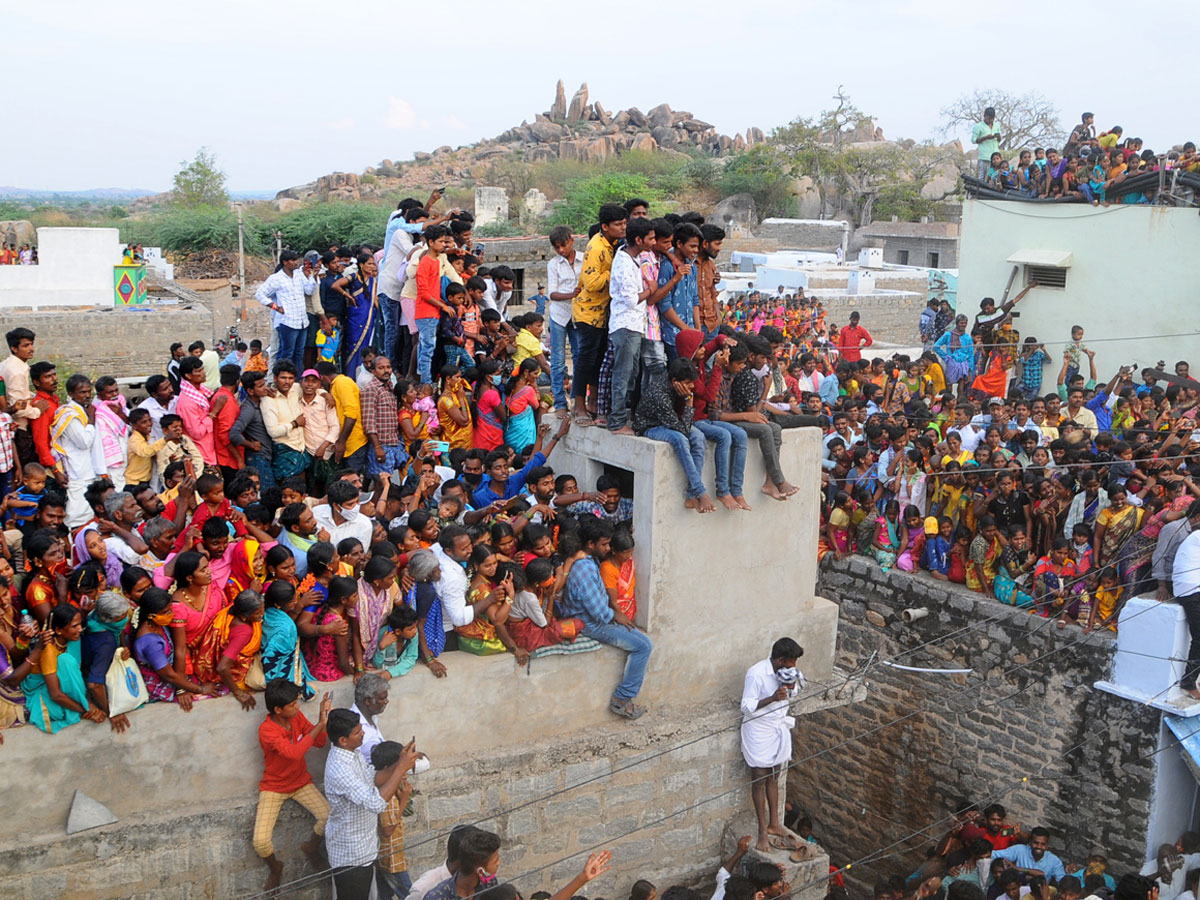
column 430, row 305
column 285, row 736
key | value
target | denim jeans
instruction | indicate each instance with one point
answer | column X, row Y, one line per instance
column 266, row 472
column 627, row 351
column 389, row 885
column 390, row 310
column 393, row 458
column 636, row 643
column 457, row 356
column 427, row 342
column 690, row 450
column 560, row 335
column 291, row 345
column 729, row 454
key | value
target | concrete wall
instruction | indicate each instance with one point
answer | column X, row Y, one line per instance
column 715, row 592
column 74, row 269
column 971, row 736
column 694, row 570
column 889, row 317
column 1133, row 272
column 918, row 249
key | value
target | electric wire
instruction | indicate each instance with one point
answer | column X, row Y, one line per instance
column 325, row 875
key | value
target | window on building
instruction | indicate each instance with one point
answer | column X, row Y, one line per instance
column 1046, row 276
column 902, row 257
column 934, row 259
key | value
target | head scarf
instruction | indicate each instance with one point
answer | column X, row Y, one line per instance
column 112, row 614
column 241, row 573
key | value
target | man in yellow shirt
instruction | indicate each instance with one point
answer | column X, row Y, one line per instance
column 589, row 309
column 529, row 341
column 351, row 445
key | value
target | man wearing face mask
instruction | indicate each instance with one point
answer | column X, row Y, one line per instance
column 478, row 862
column 341, row 516
column 767, row 734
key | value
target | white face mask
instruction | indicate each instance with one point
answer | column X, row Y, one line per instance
column 763, row 372
column 350, row 514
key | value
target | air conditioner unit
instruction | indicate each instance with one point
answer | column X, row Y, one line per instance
column 871, row 257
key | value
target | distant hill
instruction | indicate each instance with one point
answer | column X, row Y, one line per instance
column 8, row 192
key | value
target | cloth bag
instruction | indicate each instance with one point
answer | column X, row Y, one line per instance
column 256, row 678
column 124, row 684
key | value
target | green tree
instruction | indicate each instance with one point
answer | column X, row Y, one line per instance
column 583, row 197
column 764, row 174
column 200, row 182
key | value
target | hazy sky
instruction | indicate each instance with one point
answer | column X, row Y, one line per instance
column 106, row 94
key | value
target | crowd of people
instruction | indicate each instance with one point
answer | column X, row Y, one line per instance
column 1085, row 169
column 368, row 492
column 959, row 464
column 11, row 256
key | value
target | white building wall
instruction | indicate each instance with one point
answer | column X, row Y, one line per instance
column 75, row 268
column 1135, row 273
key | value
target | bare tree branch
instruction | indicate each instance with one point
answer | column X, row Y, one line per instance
column 1024, row 121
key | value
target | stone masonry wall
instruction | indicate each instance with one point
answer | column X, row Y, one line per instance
column 203, row 849
column 969, row 736
column 891, row 318
column 110, row 341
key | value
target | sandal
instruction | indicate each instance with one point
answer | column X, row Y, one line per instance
column 626, row 709
column 583, row 420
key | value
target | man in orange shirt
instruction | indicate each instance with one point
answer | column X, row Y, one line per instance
column 285, row 736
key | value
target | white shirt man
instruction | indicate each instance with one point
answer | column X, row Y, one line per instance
column 157, row 411
column 15, row 372
column 494, row 298
column 766, row 732
column 358, row 528
column 288, row 291
column 74, row 443
column 352, row 835
column 452, row 590
column 562, row 277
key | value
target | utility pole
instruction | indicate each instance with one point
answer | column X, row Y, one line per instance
column 241, row 262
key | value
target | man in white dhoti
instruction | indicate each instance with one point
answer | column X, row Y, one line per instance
column 767, row 733
column 75, row 444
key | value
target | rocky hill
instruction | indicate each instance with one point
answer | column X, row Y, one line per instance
column 580, row 129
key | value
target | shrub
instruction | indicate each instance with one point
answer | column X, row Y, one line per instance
column 318, row 226
column 583, row 197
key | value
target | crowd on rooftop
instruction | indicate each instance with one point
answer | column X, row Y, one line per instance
column 323, row 506
column 1086, row 168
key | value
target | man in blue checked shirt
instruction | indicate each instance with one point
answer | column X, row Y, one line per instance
column 587, row 598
